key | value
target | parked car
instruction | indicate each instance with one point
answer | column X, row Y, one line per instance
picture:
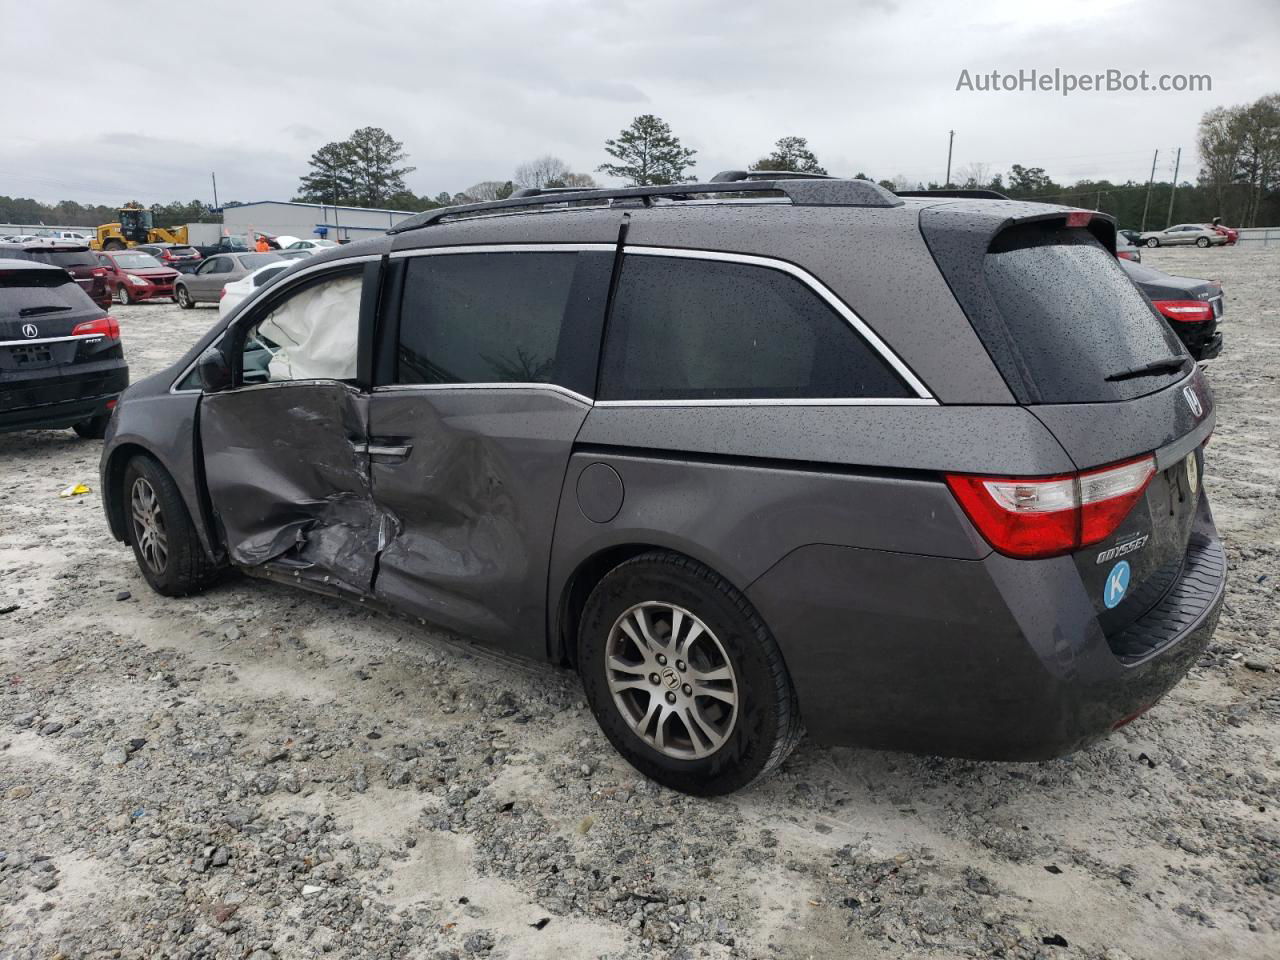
column 136, row 276
column 1182, row 234
column 61, row 362
column 205, row 285
column 235, row 293
column 765, row 489
column 73, row 235
column 75, row 258
column 1192, row 307
column 1126, row 250
column 1231, row 233
column 181, row 257
column 232, row 243
column 311, row 245
column 1133, row 236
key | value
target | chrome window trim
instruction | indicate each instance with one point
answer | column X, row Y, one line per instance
column 817, row 286
column 245, row 304
column 516, row 385
column 507, row 248
column 780, row 402
column 35, row 340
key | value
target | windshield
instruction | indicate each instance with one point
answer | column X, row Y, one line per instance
column 134, row 261
column 1074, row 318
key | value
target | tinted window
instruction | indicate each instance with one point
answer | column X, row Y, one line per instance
column 38, row 292
column 260, row 278
column 136, row 261
column 61, row 259
column 502, row 318
column 1073, row 317
column 700, row 330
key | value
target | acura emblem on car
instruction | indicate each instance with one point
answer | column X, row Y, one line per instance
column 29, row 330
column 1193, row 401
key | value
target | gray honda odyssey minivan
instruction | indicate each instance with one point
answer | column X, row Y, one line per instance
column 754, row 456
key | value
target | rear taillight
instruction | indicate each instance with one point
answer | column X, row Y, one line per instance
column 99, row 273
column 1030, row 517
column 102, row 327
column 222, row 293
column 1079, row 218
column 1185, row 311
column 1126, row 255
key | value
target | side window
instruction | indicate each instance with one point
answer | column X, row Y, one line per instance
column 686, row 329
column 311, row 335
column 503, row 318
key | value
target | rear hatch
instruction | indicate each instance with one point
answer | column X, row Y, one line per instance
column 1087, row 355
column 82, row 265
column 40, row 309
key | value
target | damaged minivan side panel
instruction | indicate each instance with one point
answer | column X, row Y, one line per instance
column 286, row 448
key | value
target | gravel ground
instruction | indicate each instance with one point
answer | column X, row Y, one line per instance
column 262, row 773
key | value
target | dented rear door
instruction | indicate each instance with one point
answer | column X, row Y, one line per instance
column 286, row 448
column 490, row 381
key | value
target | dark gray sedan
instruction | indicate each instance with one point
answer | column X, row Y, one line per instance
column 205, row 285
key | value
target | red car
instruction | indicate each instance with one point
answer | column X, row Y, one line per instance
column 1231, row 233
column 180, row 256
column 75, row 258
column 133, row 276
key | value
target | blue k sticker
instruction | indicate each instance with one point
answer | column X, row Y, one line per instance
column 1117, row 584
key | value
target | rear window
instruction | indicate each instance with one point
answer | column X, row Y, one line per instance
column 65, row 259
column 1078, row 330
column 251, row 261
column 691, row 329
column 30, row 293
column 181, row 251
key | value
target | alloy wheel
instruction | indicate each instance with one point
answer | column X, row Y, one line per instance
column 148, row 525
column 672, row 680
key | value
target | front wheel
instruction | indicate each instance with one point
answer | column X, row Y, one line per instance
column 684, row 678
column 163, row 538
column 1152, row 242
column 1202, row 241
column 183, row 297
column 123, row 296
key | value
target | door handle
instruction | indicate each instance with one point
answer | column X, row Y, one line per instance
column 385, row 452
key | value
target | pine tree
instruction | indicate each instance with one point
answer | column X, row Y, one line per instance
column 791, row 154
column 648, row 154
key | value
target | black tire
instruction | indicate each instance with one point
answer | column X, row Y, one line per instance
column 113, row 245
column 182, row 297
column 767, row 724
column 95, row 428
column 122, row 295
column 1152, row 242
column 185, row 569
column 1202, row 242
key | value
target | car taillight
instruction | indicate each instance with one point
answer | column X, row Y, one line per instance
column 222, row 293
column 99, row 273
column 1079, row 218
column 1033, row 517
column 102, row 327
column 1185, row 311
column 1126, row 255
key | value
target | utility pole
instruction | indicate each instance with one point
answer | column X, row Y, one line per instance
column 215, row 190
column 950, row 141
column 1147, row 203
column 1174, row 189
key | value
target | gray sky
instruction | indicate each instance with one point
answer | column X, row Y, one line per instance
column 249, row 90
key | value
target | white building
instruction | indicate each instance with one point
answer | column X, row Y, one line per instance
column 309, row 221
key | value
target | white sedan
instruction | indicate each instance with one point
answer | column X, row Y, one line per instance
column 236, row 292
column 314, row 245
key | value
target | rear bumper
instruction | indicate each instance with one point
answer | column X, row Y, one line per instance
column 60, row 399
column 994, row 659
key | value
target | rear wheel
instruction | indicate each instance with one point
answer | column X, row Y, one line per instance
column 123, row 296
column 163, row 538
column 1202, row 242
column 94, row 428
column 684, row 678
column 1152, row 242
column 183, row 298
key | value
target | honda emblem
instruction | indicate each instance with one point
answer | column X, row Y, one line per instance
column 1193, row 401
column 29, row 330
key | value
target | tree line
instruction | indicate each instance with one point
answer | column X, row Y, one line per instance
column 1239, row 179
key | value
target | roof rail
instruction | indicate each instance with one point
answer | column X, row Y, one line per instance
column 956, row 194
column 539, row 191
column 803, row 192
column 737, row 176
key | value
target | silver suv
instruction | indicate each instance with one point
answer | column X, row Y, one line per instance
column 752, row 456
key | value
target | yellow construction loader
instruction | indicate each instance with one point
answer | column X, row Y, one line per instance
column 135, row 226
